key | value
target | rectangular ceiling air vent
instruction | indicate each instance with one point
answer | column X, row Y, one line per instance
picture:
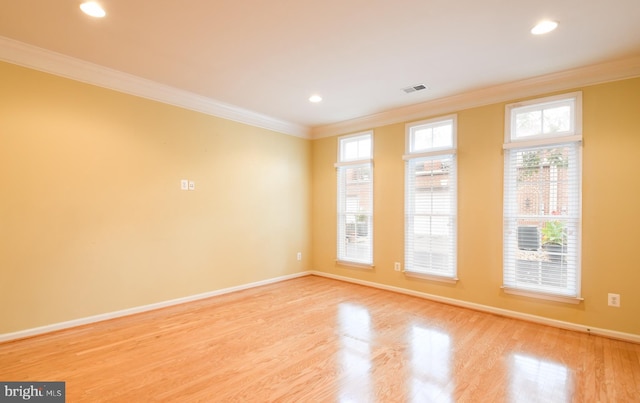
column 414, row 88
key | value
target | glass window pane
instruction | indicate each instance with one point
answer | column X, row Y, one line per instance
column 528, row 123
column 355, row 200
column 355, row 148
column 430, row 237
column 557, row 120
column 351, row 150
column 431, row 136
column 541, row 219
column 545, row 119
column 364, row 148
column 423, row 139
column 442, row 136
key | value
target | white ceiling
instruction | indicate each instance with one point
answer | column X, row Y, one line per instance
column 269, row 56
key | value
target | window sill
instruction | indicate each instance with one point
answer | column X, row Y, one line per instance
column 433, row 277
column 542, row 295
column 354, row 265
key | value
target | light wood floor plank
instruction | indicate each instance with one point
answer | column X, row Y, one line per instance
column 314, row 339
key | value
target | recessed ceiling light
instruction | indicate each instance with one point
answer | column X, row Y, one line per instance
column 544, row 27
column 93, row 9
column 315, row 98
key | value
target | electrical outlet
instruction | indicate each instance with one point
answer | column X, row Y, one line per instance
column 614, row 300
column 299, row 256
column 184, row 184
column 396, row 266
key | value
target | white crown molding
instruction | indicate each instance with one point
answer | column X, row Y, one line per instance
column 36, row 58
column 560, row 81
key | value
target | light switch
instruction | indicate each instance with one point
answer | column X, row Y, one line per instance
column 192, row 185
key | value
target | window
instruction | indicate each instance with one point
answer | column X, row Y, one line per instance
column 355, row 199
column 542, row 198
column 430, row 199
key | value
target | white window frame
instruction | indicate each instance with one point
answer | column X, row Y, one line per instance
column 414, row 155
column 571, row 138
column 345, row 164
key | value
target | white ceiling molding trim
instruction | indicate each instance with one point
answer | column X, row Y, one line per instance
column 564, row 80
column 36, row 58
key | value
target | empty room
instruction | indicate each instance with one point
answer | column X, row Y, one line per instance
column 338, row 201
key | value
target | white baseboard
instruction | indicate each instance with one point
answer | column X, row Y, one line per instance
column 612, row 334
column 130, row 311
column 634, row 338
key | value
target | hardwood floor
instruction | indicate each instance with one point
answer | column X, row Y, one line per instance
column 313, row 339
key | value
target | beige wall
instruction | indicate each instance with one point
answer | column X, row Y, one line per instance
column 92, row 218
column 611, row 217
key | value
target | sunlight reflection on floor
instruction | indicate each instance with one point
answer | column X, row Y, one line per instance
column 430, row 359
column 355, row 353
column 427, row 372
column 537, row 380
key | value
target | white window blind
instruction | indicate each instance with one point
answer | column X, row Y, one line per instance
column 431, row 199
column 355, row 199
column 542, row 200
